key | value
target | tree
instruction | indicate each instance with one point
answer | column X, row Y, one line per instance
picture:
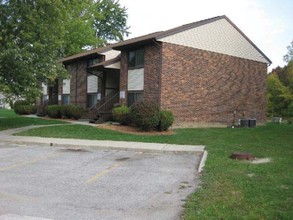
column 92, row 24
column 109, row 21
column 31, row 38
column 280, row 88
column 79, row 31
column 289, row 56
column 35, row 35
column 285, row 75
column 279, row 97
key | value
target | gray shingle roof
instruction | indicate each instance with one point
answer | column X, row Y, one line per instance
column 133, row 42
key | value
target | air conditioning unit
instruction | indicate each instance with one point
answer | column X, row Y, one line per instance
column 243, row 123
column 247, row 123
column 252, row 122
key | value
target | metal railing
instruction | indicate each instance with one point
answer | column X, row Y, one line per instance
column 105, row 105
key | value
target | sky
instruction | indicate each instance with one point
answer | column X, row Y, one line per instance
column 267, row 23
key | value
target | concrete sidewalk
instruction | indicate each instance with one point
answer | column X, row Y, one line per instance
column 7, row 136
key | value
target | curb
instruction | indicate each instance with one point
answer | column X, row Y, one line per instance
column 202, row 161
column 164, row 148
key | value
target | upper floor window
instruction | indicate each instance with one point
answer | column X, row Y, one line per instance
column 93, row 62
column 136, row 58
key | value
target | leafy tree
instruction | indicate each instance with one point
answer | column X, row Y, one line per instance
column 285, row 74
column 289, row 56
column 279, row 96
column 36, row 34
column 109, row 21
column 280, row 88
column 79, row 26
column 31, row 38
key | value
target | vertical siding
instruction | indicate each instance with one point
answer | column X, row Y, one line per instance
column 220, row 37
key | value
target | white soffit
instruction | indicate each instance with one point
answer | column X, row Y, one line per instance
column 114, row 65
column 218, row 36
column 111, row 54
column 135, row 79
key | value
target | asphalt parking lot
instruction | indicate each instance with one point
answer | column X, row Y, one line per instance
column 43, row 182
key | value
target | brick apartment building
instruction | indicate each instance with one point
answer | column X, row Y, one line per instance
column 207, row 71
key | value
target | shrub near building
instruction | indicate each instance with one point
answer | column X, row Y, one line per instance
column 121, row 114
column 166, row 120
column 74, row 112
column 53, row 111
column 23, row 107
column 65, row 111
column 145, row 115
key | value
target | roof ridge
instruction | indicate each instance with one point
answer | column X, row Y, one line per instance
column 188, row 26
column 88, row 52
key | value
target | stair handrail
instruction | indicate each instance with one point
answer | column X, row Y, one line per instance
column 100, row 102
column 107, row 102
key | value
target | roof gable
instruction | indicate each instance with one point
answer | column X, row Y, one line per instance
column 218, row 35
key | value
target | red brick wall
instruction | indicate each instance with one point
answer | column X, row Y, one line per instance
column 60, row 88
column 123, row 76
column 78, row 83
column 202, row 86
column 152, row 68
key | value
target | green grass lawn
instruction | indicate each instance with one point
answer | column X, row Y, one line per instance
column 8, row 120
column 7, row 113
column 230, row 189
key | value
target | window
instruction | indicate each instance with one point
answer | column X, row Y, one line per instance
column 92, row 90
column 45, row 98
column 92, row 84
column 65, row 99
column 135, row 79
column 91, row 100
column 66, row 87
column 132, row 97
column 136, row 58
column 92, row 62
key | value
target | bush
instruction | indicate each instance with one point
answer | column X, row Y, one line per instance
column 166, row 120
column 64, row 111
column 290, row 121
column 25, row 109
column 145, row 114
column 74, row 112
column 121, row 114
column 53, row 111
column 20, row 102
